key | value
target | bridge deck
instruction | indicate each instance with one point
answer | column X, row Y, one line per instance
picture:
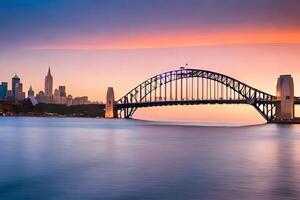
column 187, row 102
column 192, row 102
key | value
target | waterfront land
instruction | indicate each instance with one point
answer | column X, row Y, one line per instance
column 46, row 110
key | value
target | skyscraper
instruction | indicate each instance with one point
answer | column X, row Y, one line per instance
column 20, row 94
column 30, row 92
column 49, row 84
column 15, row 86
column 3, row 90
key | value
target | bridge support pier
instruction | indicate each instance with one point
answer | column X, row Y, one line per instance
column 110, row 110
column 285, row 110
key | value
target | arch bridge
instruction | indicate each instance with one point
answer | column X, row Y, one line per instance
column 195, row 87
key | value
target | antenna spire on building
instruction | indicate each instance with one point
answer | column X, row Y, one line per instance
column 49, row 83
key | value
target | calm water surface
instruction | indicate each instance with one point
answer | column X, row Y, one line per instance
column 66, row 158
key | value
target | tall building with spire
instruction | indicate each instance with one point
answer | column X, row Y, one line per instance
column 30, row 92
column 49, row 84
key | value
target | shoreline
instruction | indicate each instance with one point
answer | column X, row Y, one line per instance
column 24, row 109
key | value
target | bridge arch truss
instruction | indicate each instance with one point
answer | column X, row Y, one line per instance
column 193, row 87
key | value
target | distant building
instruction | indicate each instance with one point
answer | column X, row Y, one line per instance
column 47, row 96
column 62, row 91
column 17, row 93
column 3, row 90
column 20, row 95
column 81, row 100
column 56, row 97
column 30, row 92
column 42, row 98
column 49, row 84
column 9, row 93
column 69, row 100
column 10, row 96
column 14, row 86
column 59, row 96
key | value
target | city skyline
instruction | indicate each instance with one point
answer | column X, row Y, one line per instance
column 127, row 43
column 15, row 92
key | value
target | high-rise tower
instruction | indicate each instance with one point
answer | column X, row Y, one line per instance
column 49, row 84
column 3, row 90
column 14, row 86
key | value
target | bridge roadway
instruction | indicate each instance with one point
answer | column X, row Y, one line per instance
column 192, row 102
column 187, row 102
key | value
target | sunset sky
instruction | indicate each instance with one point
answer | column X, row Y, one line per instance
column 93, row 44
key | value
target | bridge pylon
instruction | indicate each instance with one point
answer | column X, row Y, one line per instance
column 110, row 110
column 285, row 109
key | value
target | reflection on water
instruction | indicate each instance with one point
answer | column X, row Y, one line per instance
column 55, row 158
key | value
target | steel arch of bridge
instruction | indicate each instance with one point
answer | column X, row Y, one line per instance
column 194, row 87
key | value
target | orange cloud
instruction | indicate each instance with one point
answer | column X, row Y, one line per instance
column 177, row 39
